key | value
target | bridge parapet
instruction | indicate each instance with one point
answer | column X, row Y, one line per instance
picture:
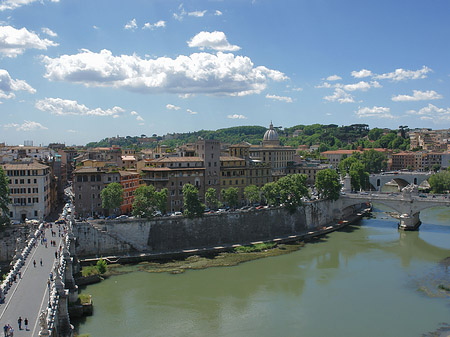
column 408, row 204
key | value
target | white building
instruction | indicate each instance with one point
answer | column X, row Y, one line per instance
column 29, row 186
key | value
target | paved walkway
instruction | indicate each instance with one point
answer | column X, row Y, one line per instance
column 29, row 295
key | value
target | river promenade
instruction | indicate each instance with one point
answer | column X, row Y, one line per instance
column 29, row 295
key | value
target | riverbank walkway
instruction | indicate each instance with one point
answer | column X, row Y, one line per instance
column 29, row 295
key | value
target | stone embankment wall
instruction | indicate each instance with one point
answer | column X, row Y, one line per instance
column 167, row 234
column 9, row 241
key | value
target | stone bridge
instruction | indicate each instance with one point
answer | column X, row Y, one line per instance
column 401, row 178
column 40, row 284
column 408, row 204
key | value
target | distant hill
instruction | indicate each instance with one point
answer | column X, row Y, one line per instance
column 330, row 137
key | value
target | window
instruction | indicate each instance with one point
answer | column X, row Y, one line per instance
column 35, row 213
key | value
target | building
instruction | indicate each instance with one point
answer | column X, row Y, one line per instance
column 271, row 152
column 87, row 185
column 173, row 173
column 130, row 182
column 404, row 160
column 233, row 173
column 29, row 186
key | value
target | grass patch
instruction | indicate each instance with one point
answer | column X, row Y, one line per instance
column 259, row 247
column 84, row 299
column 89, row 271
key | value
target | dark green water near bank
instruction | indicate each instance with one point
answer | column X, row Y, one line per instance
column 367, row 280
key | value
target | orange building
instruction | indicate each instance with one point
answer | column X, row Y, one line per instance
column 130, row 182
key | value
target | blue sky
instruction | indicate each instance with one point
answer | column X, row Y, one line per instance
column 77, row 71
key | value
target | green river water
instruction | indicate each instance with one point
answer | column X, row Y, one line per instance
column 367, row 280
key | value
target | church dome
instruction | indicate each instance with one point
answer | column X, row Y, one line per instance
column 271, row 134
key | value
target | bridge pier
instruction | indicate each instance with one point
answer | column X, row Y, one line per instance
column 409, row 222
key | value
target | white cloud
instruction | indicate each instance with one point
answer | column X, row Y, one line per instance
column 340, row 96
column 218, row 13
column 215, row 40
column 159, row 24
column 192, row 112
column 323, row 85
column 432, row 112
column 376, row 111
column 131, row 25
column 418, row 96
column 198, row 14
column 205, row 73
column 63, row 107
column 172, row 107
column 72, row 131
column 402, row 74
column 133, row 113
column 362, row 73
column 26, row 126
column 362, row 85
column 334, row 78
column 9, row 85
column 14, row 41
column 297, row 89
column 13, row 4
column 139, row 118
column 279, row 98
column 236, row 116
column 95, row 27
column 49, row 32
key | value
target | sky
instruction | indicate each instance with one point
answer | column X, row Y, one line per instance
column 76, row 71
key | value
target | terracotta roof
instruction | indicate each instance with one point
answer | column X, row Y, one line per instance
column 126, row 158
column 24, row 166
column 230, row 158
column 128, row 173
column 178, row 159
column 167, row 169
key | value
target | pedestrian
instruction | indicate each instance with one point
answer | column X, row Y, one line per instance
column 56, row 254
column 34, row 263
column 48, row 284
column 26, row 324
column 19, row 323
column 41, row 262
column 5, row 330
column 11, row 331
column 20, row 274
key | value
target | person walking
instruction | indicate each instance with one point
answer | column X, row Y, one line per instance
column 5, row 330
column 41, row 261
column 26, row 324
column 11, row 331
column 19, row 323
column 34, row 263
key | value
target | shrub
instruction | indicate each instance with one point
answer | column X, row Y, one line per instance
column 102, row 266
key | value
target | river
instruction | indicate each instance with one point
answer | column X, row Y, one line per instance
column 367, row 280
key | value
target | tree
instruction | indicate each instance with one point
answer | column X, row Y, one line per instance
column 292, row 189
column 328, row 184
column 161, row 200
column 271, row 193
column 373, row 161
column 4, row 197
column 251, row 193
column 440, row 182
column 375, row 134
column 231, row 196
column 192, row 205
column 435, row 167
column 112, row 196
column 211, row 198
column 144, row 201
column 359, row 177
column 344, row 165
column 102, row 266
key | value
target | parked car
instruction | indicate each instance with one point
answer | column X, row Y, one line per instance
column 123, row 216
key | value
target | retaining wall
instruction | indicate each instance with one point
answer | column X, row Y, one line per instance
column 167, row 234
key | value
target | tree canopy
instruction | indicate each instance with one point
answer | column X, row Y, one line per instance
column 292, row 189
column 192, row 205
column 147, row 201
column 112, row 196
column 252, row 193
column 271, row 193
column 211, row 198
column 440, row 182
column 230, row 196
column 328, row 184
